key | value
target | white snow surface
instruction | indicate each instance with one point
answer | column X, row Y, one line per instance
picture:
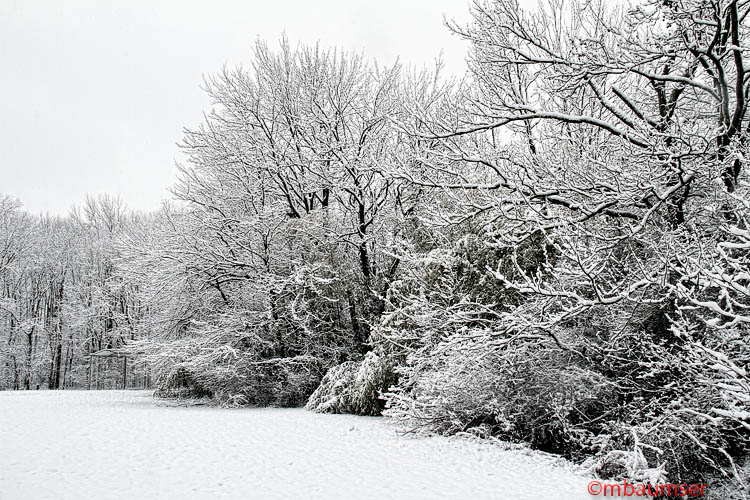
column 81, row 445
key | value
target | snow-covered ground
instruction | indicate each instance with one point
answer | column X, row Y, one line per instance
column 67, row 445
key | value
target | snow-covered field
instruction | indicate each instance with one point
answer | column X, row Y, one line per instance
column 67, row 445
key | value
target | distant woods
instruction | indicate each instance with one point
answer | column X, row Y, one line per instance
column 63, row 297
column 551, row 250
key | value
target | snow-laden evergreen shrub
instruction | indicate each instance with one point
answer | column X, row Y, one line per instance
column 355, row 387
column 334, row 394
column 375, row 375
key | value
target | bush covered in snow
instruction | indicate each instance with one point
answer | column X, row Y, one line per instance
column 237, row 377
column 355, row 387
column 275, row 382
column 623, row 388
column 515, row 398
column 334, row 394
column 375, row 375
column 182, row 382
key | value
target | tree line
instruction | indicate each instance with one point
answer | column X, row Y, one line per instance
column 64, row 297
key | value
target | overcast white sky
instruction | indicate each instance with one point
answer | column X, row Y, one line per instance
column 95, row 93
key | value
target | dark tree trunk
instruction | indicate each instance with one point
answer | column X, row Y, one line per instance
column 57, row 367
